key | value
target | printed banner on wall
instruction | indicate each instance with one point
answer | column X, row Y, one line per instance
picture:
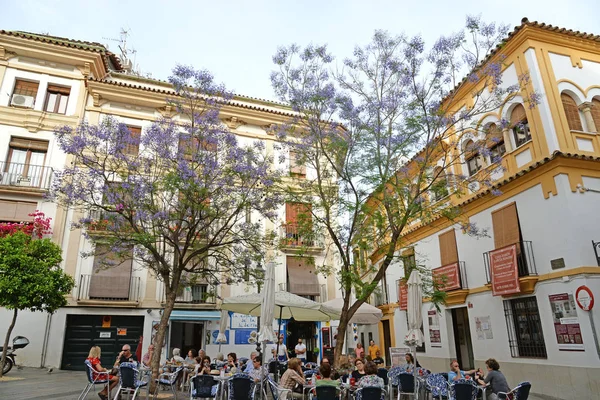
column 434, row 328
column 566, row 323
column 241, row 321
column 503, row 268
column 403, row 300
column 447, row 277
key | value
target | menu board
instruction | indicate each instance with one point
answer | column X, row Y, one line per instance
column 566, row 323
column 435, row 336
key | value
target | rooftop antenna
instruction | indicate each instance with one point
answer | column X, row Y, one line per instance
column 126, row 54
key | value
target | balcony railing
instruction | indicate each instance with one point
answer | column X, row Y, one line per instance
column 321, row 298
column 525, row 261
column 194, row 294
column 380, row 296
column 25, row 175
column 108, row 288
column 292, row 236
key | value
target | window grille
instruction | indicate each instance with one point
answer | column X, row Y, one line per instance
column 525, row 335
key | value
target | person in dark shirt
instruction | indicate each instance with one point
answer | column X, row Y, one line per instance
column 378, row 360
column 125, row 356
column 495, row 378
column 360, row 369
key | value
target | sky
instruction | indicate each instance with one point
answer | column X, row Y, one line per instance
column 236, row 39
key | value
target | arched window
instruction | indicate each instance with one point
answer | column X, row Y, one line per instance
column 472, row 157
column 439, row 187
column 572, row 112
column 596, row 113
column 495, row 142
column 520, row 126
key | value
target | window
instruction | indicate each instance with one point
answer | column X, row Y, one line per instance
column 472, row 158
column 24, row 93
column 111, row 283
column 520, row 126
column 297, row 168
column 25, row 162
column 448, row 248
column 188, row 146
column 57, row 98
column 133, row 141
column 596, row 113
column 525, row 336
column 572, row 112
column 495, row 142
column 439, row 187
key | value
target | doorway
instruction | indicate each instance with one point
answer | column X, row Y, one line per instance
column 387, row 340
column 305, row 331
column 462, row 338
column 185, row 335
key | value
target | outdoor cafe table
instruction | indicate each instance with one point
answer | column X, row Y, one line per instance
column 222, row 384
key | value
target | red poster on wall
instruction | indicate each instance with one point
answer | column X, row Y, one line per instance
column 447, row 277
column 505, row 275
column 403, row 297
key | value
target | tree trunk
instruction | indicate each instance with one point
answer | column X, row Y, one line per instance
column 340, row 339
column 6, row 340
column 159, row 340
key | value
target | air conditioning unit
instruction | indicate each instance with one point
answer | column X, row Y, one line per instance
column 20, row 100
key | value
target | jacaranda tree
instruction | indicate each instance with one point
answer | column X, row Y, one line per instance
column 30, row 274
column 177, row 199
column 384, row 134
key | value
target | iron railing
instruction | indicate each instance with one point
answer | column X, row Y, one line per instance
column 292, row 236
column 525, row 335
column 380, row 296
column 321, row 298
column 201, row 293
column 25, row 175
column 108, row 288
column 525, row 261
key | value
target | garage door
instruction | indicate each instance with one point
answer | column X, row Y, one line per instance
column 110, row 332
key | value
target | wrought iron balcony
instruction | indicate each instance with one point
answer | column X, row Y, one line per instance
column 201, row 293
column 525, row 261
column 108, row 288
column 25, row 175
column 321, row 298
column 293, row 237
column 451, row 280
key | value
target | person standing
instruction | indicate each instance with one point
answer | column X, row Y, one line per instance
column 373, row 349
column 300, row 350
column 282, row 354
column 359, row 351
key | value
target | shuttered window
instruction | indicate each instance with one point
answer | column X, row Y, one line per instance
column 133, row 141
column 298, row 212
column 26, row 88
column 572, row 112
column 110, row 283
column 16, row 211
column 506, row 227
column 297, row 169
column 448, row 248
column 302, row 277
column 520, row 125
column 57, row 99
column 596, row 113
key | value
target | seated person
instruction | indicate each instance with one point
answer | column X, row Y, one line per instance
column 371, row 378
column 456, row 373
column 378, row 360
column 177, row 359
column 147, row 359
column 231, row 362
column 191, row 357
column 94, row 359
column 410, row 362
column 220, row 360
column 293, row 378
column 325, row 372
column 360, row 370
column 125, row 356
column 258, row 371
column 495, row 378
column 203, row 366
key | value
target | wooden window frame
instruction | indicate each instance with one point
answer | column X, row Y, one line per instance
column 30, row 92
column 133, row 149
column 16, row 144
column 60, row 92
column 520, row 126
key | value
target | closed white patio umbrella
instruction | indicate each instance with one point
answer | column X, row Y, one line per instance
column 267, row 308
column 221, row 338
column 414, row 338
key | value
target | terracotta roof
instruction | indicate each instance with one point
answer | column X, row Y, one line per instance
column 511, row 178
column 77, row 44
column 172, row 92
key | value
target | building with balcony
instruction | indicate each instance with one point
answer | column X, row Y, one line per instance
column 512, row 294
column 47, row 82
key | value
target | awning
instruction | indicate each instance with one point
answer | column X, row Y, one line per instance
column 302, row 277
column 185, row 315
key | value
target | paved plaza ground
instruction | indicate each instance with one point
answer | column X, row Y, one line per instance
column 37, row 384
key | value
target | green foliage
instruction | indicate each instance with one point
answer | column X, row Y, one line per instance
column 30, row 275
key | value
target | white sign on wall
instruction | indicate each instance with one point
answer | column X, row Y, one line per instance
column 241, row 321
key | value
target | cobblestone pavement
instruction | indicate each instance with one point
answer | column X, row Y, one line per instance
column 37, row 384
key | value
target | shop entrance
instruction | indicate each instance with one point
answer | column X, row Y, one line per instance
column 185, row 335
column 307, row 332
column 462, row 338
column 387, row 340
